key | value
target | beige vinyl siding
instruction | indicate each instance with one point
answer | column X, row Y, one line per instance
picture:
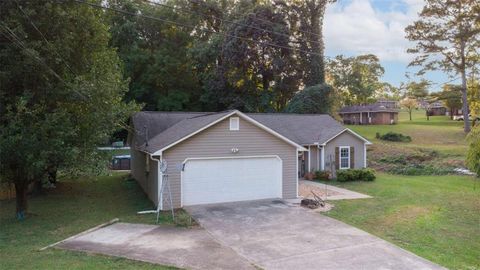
column 345, row 139
column 218, row 140
column 147, row 180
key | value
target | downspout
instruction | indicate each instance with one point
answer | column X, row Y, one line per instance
column 159, row 186
column 159, row 181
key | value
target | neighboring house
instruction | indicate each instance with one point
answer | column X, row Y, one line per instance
column 233, row 156
column 371, row 114
column 437, row 108
column 388, row 103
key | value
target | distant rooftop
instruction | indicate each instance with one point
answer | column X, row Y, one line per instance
column 367, row 108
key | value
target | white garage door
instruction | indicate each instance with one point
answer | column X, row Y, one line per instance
column 231, row 179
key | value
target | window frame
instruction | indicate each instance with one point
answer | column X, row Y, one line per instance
column 232, row 121
column 340, row 148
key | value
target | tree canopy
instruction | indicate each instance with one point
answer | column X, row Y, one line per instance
column 61, row 89
column 447, row 37
column 357, row 79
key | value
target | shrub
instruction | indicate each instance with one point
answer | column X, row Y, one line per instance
column 322, row 175
column 356, row 175
column 420, row 169
column 473, row 153
column 394, row 137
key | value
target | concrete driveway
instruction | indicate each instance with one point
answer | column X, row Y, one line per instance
column 191, row 248
column 275, row 235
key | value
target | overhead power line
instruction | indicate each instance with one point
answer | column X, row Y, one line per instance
column 272, row 23
column 193, row 27
column 10, row 35
column 230, row 21
column 46, row 40
column 14, row 38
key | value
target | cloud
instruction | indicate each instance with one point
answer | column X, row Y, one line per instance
column 364, row 26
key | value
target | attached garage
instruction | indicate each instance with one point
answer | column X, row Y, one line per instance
column 216, row 180
column 231, row 156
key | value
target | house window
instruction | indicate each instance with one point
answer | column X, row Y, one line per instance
column 344, row 157
column 234, row 123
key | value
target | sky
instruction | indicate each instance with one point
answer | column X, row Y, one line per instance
column 354, row 27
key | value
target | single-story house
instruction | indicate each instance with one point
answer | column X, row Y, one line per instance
column 388, row 103
column 235, row 156
column 371, row 114
column 437, row 108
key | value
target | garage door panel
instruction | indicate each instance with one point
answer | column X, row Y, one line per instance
column 226, row 180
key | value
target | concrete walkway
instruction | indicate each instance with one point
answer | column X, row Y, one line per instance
column 167, row 245
column 341, row 193
column 276, row 235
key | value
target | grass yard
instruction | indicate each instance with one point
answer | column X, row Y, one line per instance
column 435, row 217
column 439, row 133
column 72, row 207
column 438, row 145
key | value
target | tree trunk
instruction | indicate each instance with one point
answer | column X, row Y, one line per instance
column 410, row 114
column 466, row 121
column 21, row 199
column 52, row 174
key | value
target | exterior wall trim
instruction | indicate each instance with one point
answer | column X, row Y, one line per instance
column 365, row 155
column 296, row 174
column 352, row 132
column 232, row 157
column 340, row 157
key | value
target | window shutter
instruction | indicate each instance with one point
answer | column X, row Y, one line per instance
column 352, row 157
column 337, row 158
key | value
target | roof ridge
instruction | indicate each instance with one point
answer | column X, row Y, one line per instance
column 295, row 114
column 171, row 112
column 208, row 114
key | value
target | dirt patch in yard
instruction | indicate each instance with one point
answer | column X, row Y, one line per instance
column 409, row 213
column 305, row 191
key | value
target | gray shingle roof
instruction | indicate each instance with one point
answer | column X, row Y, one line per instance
column 301, row 128
column 165, row 128
column 149, row 124
column 366, row 108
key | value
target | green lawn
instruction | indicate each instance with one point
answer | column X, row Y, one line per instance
column 72, row 207
column 439, row 133
column 435, row 217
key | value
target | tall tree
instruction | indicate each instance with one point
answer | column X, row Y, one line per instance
column 415, row 89
column 156, row 54
column 447, row 37
column 259, row 77
column 356, row 78
column 314, row 99
column 306, row 20
column 61, row 90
